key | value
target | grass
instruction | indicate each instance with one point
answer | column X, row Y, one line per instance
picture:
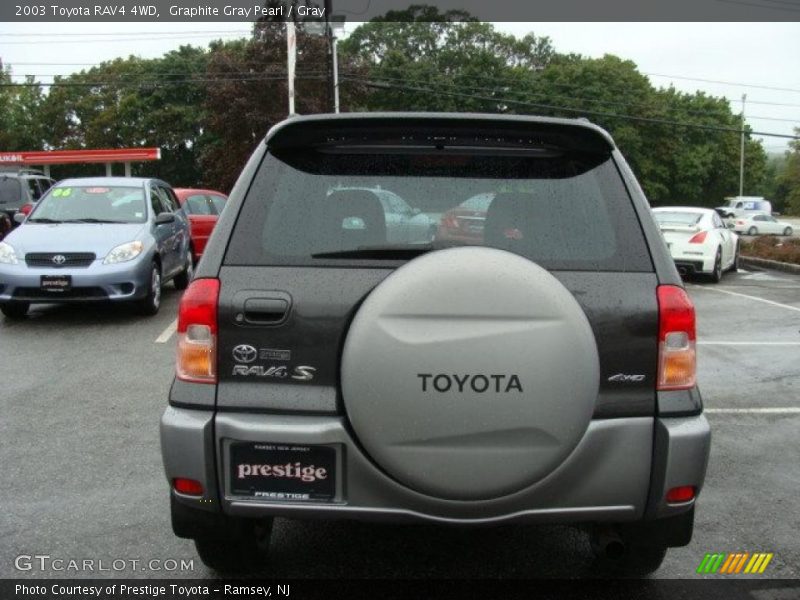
column 772, row 248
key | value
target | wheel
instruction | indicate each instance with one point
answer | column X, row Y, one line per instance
column 15, row 310
column 752, row 231
column 246, row 549
column 716, row 274
column 735, row 265
column 183, row 279
column 150, row 304
column 787, row 232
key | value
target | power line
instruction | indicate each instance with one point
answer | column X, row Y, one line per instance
column 96, row 33
column 567, row 109
column 749, row 85
column 586, row 99
column 133, row 39
column 161, row 83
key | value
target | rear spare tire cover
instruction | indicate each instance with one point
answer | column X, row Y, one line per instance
column 469, row 373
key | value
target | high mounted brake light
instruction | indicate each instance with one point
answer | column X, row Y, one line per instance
column 677, row 357
column 197, row 332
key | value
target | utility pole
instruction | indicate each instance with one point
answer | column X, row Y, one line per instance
column 741, row 152
column 332, row 76
column 291, row 57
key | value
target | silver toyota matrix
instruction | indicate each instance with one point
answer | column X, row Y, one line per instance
column 529, row 358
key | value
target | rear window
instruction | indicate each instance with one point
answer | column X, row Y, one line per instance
column 566, row 211
column 10, row 190
column 686, row 219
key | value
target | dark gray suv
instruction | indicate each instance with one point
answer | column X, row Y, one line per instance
column 543, row 371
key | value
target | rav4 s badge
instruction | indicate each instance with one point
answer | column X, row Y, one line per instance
column 300, row 373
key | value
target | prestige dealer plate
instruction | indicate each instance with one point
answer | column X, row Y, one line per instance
column 282, row 471
column 55, row 283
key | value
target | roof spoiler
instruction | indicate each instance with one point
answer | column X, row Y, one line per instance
column 350, row 132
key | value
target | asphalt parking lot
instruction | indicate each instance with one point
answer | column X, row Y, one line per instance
column 84, row 387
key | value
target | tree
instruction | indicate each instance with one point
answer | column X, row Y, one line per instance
column 21, row 125
column 421, row 59
column 135, row 102
column 789, row 178
column 247, row 94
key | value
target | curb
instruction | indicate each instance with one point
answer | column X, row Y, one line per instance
column 764, row 263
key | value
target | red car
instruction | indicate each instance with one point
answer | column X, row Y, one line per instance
column 464, row 223
column 203, row 208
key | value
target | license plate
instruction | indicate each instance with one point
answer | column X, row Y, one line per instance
column 56, row 284
column 283, row 472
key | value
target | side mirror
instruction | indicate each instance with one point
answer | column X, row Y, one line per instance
column 415, row 211
column 164, row 218
column 20, row 217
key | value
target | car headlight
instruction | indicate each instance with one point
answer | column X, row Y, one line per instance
column 124, row 253
column 7, row 254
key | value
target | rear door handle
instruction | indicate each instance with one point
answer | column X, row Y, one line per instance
column 261, row 308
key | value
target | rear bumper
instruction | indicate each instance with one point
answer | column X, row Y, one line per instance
column 610, row 477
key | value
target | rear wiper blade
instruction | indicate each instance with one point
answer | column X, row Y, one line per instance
column 43, row 220
column 402, row 252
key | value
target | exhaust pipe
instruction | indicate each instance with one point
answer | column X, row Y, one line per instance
column 607, row 543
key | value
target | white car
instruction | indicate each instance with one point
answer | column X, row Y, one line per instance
column 761, row 223
column 698, row 240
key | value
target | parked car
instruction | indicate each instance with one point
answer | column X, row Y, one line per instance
column 761, row 223
column 324, row 371
column 203, row 208
column 465, row 222
column 404, row 224
column 698, row 240
column 18, row 188
column 97, row 239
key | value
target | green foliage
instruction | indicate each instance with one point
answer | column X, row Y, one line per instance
column 207, row 108
column 20, row 125
column 135, row 102
column 788, row 179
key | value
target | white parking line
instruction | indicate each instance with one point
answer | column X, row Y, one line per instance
column 789, row 410
column 167, row 333
column 756, row 298
column 702, row 343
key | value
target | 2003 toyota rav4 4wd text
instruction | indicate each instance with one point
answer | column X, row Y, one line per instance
column 544, row 373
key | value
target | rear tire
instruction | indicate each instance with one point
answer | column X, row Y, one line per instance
column 752, row 231
column 245, row 550
column 787, row 232
column 15, row 310
column 150, row 304
column 716, row 274
column 183, row 279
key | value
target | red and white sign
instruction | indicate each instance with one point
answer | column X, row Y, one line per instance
column 63, row 157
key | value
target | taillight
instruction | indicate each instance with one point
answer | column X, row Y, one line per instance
column 740, row 222
column 677, row 359
column 681, row 494
column 187, row 486
column 197, row 332
column 449, row 222
column 699, row 237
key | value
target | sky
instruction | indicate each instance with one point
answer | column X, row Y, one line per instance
column 761, row 60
